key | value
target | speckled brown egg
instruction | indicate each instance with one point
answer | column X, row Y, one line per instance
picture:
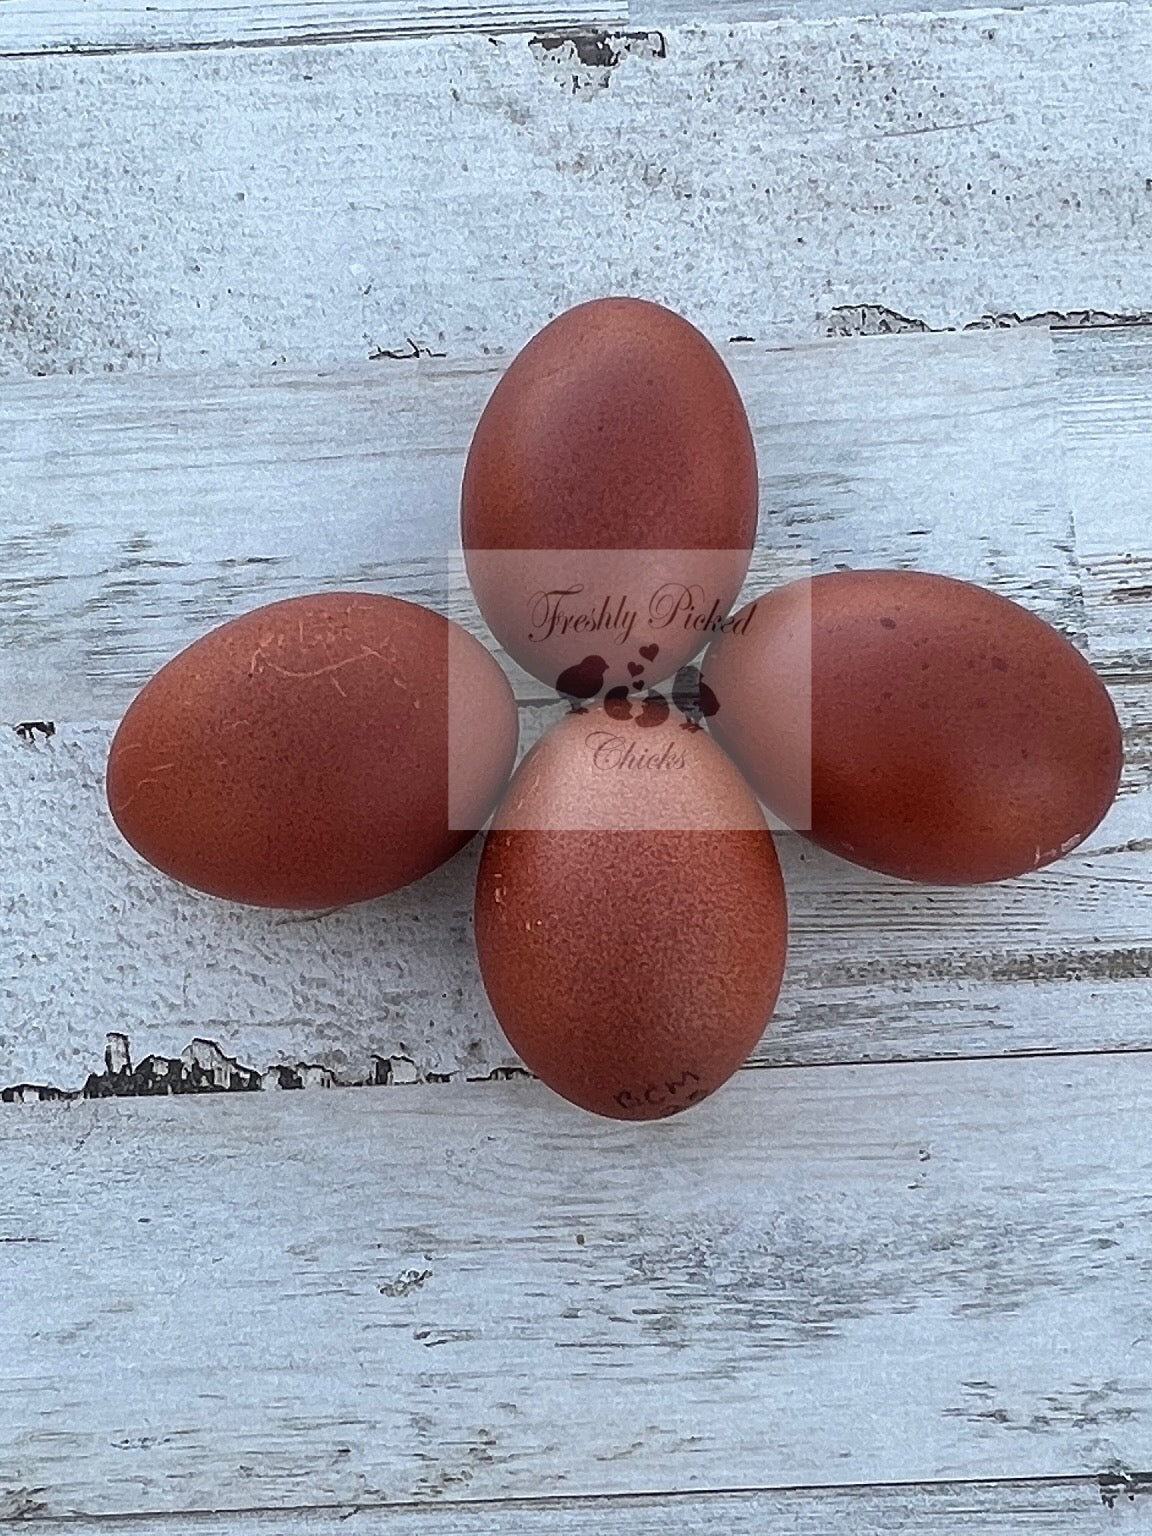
column 315, row 752
column 609, row 501
column 630, row 914
column 916, row 724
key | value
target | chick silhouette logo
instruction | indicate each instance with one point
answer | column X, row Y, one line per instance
column 582, row 681
column 691, row 696
column 649, row 711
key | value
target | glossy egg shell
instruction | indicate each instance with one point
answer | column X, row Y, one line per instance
column 955, row 736
column 299, row 756
column 618, row 427
column 631, row 938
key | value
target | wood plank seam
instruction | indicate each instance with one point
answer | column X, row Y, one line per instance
column 595, row 47
column 203, row 1067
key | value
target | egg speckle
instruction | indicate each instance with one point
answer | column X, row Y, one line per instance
column 994, row 747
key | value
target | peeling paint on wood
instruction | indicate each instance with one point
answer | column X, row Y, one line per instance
column 759, row 178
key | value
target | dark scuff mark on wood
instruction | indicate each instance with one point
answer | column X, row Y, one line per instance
column 30, row 730
column 401, row 355
column 584, row 61
column 407, row 1282
column 1123, row 1485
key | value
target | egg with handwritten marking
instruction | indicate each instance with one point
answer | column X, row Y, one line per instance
column 609, row 500
column 315, row 752
column 916, row 724
column 630, row 913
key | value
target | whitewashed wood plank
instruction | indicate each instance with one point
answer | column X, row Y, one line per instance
column 1112, row 1501
column 311, row 205
column 94, row 942
column 1106, row 392
column 1106, row 406
column 685, row 13
column 97, row 26
column 823, row 1275
column 81, row 26
column 142, row 509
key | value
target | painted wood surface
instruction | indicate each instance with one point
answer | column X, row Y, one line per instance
column 100, row 26
column 144, row 509
column 297, row 207
column 466, row 1308
column 95, row 942
column 73, row 26
column 828, row 1275
column 1112, row 1501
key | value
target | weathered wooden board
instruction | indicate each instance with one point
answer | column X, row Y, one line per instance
column 1113, row 1501
column 95, row 942
column 297, row 206
column 142, row 509
column 681, row 13
column 1106, row 424
column 1106, row 410
column 103, row 26
column 831, row 1275
column 108, row 26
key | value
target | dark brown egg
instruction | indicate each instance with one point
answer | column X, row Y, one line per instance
column 609, row 501
column 315, row 752
column 630, row 914
column 916, row 724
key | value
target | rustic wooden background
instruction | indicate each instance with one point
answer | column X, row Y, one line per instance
column 260, row 265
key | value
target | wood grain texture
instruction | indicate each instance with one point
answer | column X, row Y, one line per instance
column 107, row 26
column 95, row 942
column 143, row 509
column 41, row 26
column 1106, row 410
column 824, row 1275
column 686, row 13
column 756, row 177
column 140, row 510
column 1106, row 414
column 1112, row 1501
